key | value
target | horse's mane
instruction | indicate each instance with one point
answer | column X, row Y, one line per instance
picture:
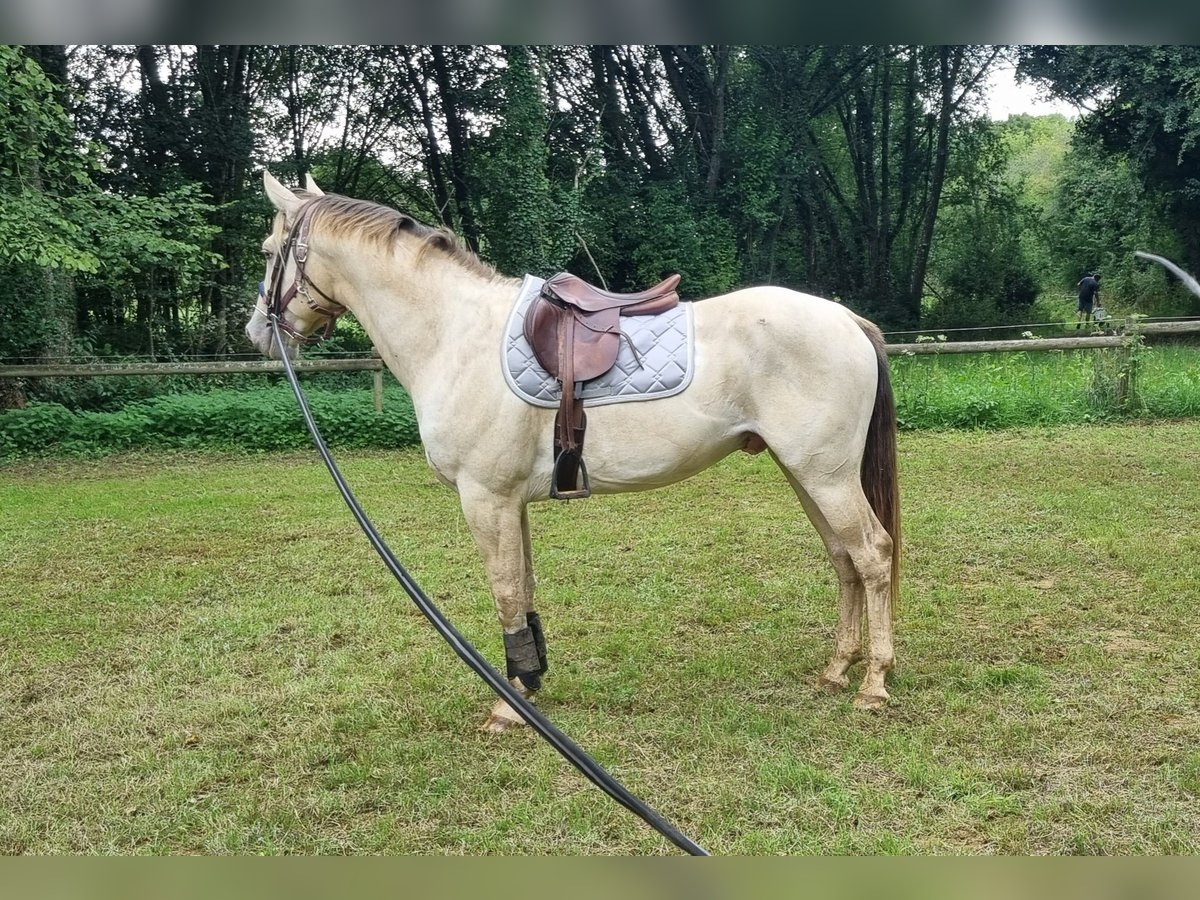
column 377, row 224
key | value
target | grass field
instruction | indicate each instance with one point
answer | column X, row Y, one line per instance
column 200, row 654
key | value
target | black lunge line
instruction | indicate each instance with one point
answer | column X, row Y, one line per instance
column 571, row 751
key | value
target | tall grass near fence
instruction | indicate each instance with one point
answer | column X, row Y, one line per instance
column 1057, row 387
column 263, row 419
column 976, row 390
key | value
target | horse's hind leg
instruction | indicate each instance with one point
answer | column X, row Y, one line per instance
column 847, row 649
column 851, row 598
column 861, row 551
column 500, row 527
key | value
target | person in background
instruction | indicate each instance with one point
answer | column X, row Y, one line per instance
column 1089, row 293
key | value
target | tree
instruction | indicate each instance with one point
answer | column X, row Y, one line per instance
column 42, row 241
column 41, row 172
column 60, row 233
column 1103, row 211
column 978, row 267
column 174, row 127
column 1144, row 105
column 1033, row 164
column 348, row 115
column 221, row 162
column 857, row 171
column 841, row 159
column 959, row 72
column 518, row 218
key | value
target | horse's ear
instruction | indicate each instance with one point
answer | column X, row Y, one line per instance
column 281, row 198
column 311, row 186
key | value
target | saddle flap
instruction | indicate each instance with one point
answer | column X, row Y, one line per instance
column 541, row 330
column 597, row 343
column 595, row 340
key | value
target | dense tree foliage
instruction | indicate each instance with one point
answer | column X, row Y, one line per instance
column 130, row 211
column 1133, row 179
column 72, row 254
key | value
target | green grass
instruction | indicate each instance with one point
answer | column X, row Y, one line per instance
column 199, row 653
column 992, row 391
column 1004, row 390
column 266, row 418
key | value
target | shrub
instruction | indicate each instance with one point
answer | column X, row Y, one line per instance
column 951, row 391
column 265, row 419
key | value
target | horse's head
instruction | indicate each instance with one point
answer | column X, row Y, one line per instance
column 287, row 291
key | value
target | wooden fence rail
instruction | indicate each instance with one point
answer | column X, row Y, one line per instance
column 1084, row 342
column 375, row 364
column 215, row 367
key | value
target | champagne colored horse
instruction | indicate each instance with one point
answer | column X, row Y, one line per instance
column 775, row 369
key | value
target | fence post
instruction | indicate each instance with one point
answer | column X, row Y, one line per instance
column 1128, row 358
column 378, row 379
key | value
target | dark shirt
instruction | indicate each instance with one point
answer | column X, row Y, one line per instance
column 1088, row 287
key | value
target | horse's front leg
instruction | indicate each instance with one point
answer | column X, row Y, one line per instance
column 500, row 526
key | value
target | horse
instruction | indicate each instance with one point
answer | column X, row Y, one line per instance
column 798, row 376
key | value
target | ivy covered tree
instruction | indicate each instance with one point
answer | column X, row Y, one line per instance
column 518, row 211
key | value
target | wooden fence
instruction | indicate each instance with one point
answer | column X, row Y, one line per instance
column 1082, row 342
column 1124, row 388
column 216, row 367
column 375, row 364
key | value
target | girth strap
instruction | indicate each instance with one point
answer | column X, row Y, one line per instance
column 570, row 424
column 575, row 332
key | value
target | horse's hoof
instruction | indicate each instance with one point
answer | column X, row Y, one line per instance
column 832, row 685
column 870, row 701
column 499, row 724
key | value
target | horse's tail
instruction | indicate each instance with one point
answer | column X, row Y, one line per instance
column 880, row 473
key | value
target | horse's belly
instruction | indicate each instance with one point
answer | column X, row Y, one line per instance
column 638, row 446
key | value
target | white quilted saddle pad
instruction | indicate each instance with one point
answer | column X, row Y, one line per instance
column 662, row 366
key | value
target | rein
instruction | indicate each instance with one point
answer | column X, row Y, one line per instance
column 568, row 749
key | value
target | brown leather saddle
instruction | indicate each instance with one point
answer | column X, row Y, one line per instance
column 575, row 332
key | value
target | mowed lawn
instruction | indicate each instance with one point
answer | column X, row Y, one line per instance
column 201, row 654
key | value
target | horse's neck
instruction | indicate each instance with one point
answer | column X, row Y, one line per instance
column 421, row 321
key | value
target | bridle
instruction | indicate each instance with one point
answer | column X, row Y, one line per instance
column 277, row 299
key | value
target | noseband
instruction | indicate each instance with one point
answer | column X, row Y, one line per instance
column 278, row 299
